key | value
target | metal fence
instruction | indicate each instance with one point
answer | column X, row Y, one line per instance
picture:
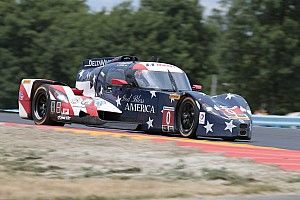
column 276, row 121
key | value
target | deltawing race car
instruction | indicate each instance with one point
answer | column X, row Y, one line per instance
column 157, row 97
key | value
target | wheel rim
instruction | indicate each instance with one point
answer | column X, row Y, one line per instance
column 40, row 110
column 187, row 117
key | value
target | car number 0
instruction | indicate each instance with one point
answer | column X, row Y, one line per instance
column 168, row 117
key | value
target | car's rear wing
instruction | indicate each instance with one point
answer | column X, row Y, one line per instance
column 96, row 62
column 99, row 62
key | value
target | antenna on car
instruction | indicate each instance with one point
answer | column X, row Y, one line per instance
column 154, row 59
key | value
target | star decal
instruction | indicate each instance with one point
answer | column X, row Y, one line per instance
column 150, row 123
column 208, row 127
column 81, row 73
column 153, row 94
column 216, row 107
column 172, row 100
column 229, row 126
column 94, row 79
column 198, row 105
column 209, row 109
column 101, row 90
column 88, row 76
column 229, row 96
column 118, row 101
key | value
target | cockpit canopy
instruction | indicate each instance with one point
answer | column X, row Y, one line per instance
column 160, row 80
column 147, row 75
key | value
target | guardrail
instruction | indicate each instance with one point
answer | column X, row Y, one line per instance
column 9, row 110
column 276, row 121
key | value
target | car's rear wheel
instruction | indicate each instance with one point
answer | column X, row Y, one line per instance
column 41, row 107
column 187, row 118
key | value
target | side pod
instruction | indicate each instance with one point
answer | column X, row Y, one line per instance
column 26, row 92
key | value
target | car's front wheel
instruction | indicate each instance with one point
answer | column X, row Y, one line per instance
column 187, row 118
column 40, row 107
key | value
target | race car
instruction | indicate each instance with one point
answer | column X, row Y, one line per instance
column 156, row 97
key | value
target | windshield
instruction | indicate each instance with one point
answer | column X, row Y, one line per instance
column 161, row 80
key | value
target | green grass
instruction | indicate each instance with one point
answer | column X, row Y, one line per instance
column 256, row 189
column 223, row 174
column 139, row 197
column 25, row 162
column 294, row 180
column 125, row 171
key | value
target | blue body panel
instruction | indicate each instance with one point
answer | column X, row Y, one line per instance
column 226, row 115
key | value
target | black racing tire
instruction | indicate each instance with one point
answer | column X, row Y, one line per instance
column 41, row 107
column 187, row 118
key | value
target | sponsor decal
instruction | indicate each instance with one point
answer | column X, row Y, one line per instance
column 168, row 119
column 137, row 107
column 174, row 96
column 125, row 64
column 87, row 101
column 65, row 111
column 76, row 100
column 21, row 96
column 201, row 117
column 62, row 117
column 164, row 65
column 96, row 63
column 99, row 102
column 135, row 103
column 149, row 64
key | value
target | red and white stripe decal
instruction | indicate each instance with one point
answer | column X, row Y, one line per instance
column 64, row 105
column 91, row 108
column 24, row 102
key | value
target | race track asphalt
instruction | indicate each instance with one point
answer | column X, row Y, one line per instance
column 284, row 138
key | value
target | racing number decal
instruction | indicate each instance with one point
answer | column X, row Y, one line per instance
column 168, row 119
column 53, row 106
column 58, row 107
column 202, row 118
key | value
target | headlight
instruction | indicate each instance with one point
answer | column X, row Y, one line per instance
column 60, row 96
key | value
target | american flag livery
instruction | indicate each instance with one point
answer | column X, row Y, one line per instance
column 157, row 97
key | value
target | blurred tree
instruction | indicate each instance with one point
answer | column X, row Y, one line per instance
column 252, row 45
column 260, row 52
column 175, row 31
column 38, row 39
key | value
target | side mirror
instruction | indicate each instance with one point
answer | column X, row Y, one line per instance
column 197, row 87
column 116, row 81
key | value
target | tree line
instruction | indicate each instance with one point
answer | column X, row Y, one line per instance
column 251, row 46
